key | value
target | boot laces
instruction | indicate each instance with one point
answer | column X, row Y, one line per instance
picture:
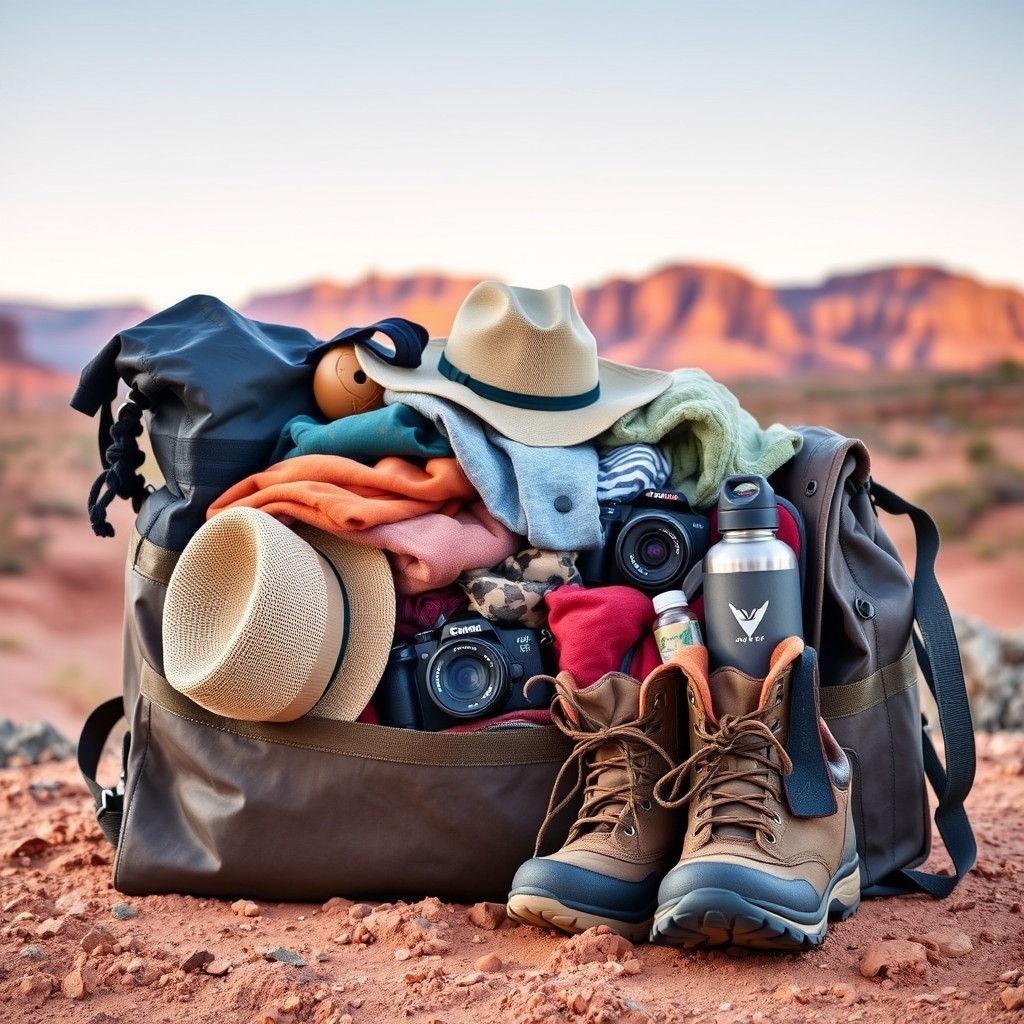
column 630, row 749
column 751, row 743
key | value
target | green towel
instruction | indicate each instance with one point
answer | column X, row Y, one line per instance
column 706, row 434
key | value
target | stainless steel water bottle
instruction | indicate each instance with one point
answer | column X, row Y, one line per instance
column 751, row 581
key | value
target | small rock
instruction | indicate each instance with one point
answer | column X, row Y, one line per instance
column 632, row 966
column 285, row 956
column 50, row 927
column 335, row 903
column 846, row 994
column 478, row 940
column 76, row 985
column 466, row 980
column 292, row 1004
column 31, row 847
column 403, row 953
column 34, row 988
column 359, row 910
column 343, row 938
column 792, row 994
column 436, row 947
column 123, row 911
column 245, row 908
column 33, row 953
column 196, row 961
column 724, row 1007
column 72, row 905
column 97, row 939
column 897, row 956
column 489, row 963
column 946, row 942
column 1011, row 977
column 926, row 997
column 133, row 966
column 487, row 916
column 1013, row 998
column 362, row 934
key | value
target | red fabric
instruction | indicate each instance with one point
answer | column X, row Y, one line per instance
column 595, row 627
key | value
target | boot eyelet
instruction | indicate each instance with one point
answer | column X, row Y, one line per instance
column 776, row 819
column 691, row 698
column 659, row 700
column 769, row 838
column 645, row 805
column 628, row 830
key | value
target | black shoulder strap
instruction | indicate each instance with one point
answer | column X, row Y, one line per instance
column 95, row 733
column 939, row 658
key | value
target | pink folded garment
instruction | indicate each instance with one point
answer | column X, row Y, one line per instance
column 431, row 550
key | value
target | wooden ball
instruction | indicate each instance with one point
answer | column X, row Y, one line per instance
column 341, row 386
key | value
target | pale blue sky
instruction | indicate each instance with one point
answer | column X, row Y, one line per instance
column 151, row 150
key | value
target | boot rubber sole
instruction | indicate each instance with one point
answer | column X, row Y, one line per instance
column 718, row 917
column 547, row 912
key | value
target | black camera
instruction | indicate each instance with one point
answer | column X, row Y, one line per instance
column 469, row 668
column 650, row 544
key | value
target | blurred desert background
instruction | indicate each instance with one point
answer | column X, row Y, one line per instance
column 927, row 366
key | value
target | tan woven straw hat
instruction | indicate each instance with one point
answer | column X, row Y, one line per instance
column 266, row 623
column 523, row 360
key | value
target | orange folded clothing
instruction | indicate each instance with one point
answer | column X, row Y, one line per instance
column 337, row 494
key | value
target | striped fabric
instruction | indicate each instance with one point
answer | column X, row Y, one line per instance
column 626, row 472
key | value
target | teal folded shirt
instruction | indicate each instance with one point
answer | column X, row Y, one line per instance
column 364, row 437
column 707, row 435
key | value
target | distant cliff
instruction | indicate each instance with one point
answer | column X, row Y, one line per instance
column 897, row 318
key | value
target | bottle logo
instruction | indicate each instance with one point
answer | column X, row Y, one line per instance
column 749, row 621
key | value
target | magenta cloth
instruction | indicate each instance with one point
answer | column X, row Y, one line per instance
column 431, row 550
column 417, row 612
column 595, row 627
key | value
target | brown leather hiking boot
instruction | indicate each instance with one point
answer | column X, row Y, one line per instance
column 607, row 872
column 770, row 852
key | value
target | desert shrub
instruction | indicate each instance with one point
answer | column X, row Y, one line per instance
column 980, row 450
column 954, row 506
column 57, row 505
column 18, row 553
column 908, row 448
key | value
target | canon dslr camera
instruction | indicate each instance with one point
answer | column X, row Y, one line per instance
column 467, row 669
column 650, row 544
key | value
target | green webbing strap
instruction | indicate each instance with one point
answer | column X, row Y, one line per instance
column 95, row 733
column 853, row 698
column 939, row 657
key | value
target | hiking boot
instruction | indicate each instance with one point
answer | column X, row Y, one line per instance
column 770, row 853
column 626, row 736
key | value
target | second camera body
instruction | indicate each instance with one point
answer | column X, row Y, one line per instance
column 649, row 544
column 468, row 669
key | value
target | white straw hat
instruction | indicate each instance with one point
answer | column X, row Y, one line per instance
column 265, row 623
column 523, row 360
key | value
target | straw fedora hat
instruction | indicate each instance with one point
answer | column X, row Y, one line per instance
column 523, row 360
column 266, row 623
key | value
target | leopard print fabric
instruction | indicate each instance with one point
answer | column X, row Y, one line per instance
column 513, row 592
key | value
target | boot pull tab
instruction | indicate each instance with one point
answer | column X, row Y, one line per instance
column 808, row 787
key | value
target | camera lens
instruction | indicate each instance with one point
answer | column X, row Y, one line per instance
column 652, row 551
column 466, row 678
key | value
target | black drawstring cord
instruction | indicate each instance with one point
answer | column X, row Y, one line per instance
column 123, row 458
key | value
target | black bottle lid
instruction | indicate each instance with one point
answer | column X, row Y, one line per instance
column 747, row 502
